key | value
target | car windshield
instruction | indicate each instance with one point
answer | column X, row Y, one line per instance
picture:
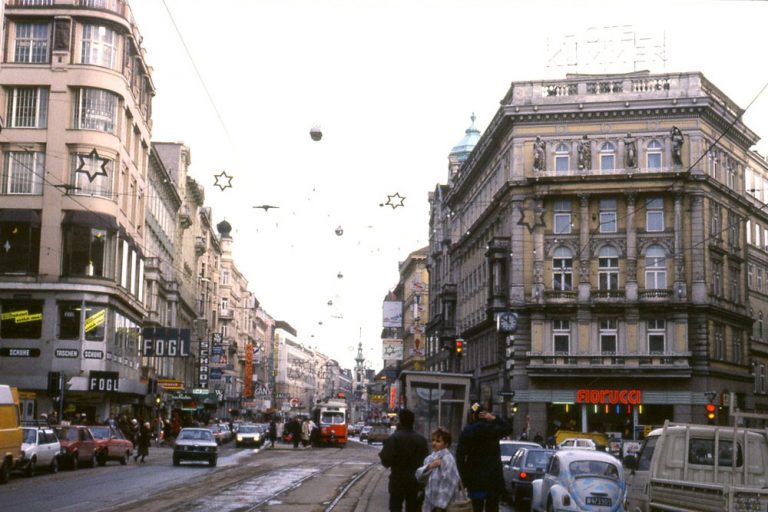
column 332, row 418
column 70, row 434
column 29, row 436
column 248, row 429
column 100, row 432
column 509, row 449
column 537, row 459
column 594, row 467
column 195, row 435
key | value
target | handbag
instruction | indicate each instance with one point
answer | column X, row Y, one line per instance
column 461, row 502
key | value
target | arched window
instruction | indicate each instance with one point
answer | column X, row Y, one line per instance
column 562, row 269
column 655, row 268
column 608, row 268
column 653, row 155
column 562, row 158
column 607, row 157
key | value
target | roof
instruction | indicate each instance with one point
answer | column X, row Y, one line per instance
column 468, row 143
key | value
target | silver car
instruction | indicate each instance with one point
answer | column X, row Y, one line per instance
column 196, row 444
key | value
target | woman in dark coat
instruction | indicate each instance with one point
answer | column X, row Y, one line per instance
column 145, row 438
column 478, row 457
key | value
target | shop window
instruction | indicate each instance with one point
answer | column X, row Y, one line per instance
column 95, row 322
column 70, row 318
column 19, row 242
column 21, row 319
column 86, row 251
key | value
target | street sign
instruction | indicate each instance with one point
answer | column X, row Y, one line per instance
column 505, row 393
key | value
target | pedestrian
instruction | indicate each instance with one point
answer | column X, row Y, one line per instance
column 306, row 432
column 478, row 457
column 539, row 439
column 439, row 474
column 403, row 453
column 295, row 432
column 145, row 439
column 272, row 433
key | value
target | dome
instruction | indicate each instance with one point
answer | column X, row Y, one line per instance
column 224, row 228
column 468, row 143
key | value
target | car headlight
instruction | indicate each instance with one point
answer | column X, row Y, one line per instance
column 239, row 437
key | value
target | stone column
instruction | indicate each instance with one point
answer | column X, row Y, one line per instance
column 698, row 245
column 679, row 289
column 584, row 256
column 631, row 272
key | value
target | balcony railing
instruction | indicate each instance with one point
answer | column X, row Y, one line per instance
column 607, row 295
column 654, row 294
column 226, row 313
column 560, row 362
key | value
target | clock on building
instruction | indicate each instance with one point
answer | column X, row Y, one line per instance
column 506, row 322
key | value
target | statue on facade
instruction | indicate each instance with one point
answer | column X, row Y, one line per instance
column 677, row 145
column 630, row 152
column 539, row 155
column 585, row 154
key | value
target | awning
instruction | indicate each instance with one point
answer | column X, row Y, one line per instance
column 90, row 219
column 26, row 216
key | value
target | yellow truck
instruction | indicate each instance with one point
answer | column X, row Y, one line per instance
column 10, row 431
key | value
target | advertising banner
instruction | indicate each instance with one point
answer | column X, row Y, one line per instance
column 392, row 349
column 393, row 313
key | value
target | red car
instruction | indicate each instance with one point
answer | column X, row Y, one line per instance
column 112, row 444
column 78, row 445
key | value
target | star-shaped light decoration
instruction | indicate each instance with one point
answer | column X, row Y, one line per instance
column 531, row 217
column 91, row 162
column 223, row 176
column 394, row 200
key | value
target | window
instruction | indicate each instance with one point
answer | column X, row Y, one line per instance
column 562, row 159
column 96, row 110
column 713, row 161
column 715, row 227
column 99, row 46
column 719, row 351
column 225, row 278
column 654, row 214
column 562, row 269
column 653, row 155
column 608, row 219
column 702, row 452
column 734, row 277
column 730, row 177
column 750, row 276
column 94, row 324
column 655, row 268
column 32, row 41
column 85, row 251
column 70, row 320
column 608, row 268
column 562, row 217
column 608, row 336
column 607, row 157
column 27, row 107
column 561, row 336
column 91, row 175
column 717, row 278
column 733, row 230
column 759, row 279
column 656, row 336
column 24, row 173
column 21, row 319
column 760, row 329
column 19, row 246
column 738, row 346
column 761, row 378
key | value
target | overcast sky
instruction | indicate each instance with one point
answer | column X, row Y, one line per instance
column 392, row 84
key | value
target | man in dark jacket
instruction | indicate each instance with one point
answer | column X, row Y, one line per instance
column 478, row 457
column 404, row 452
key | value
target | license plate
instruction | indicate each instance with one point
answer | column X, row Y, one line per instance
column 599, row 501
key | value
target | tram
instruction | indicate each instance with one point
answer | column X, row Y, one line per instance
column 330, row 416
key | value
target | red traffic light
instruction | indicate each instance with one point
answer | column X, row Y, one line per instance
column 459, row 347
column 711, row 411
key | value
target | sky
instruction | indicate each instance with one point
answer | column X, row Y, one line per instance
column 392, row 85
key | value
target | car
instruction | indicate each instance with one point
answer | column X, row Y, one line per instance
column 378, row 434
column 112, row 444
column 78, row 445
column 580, row 480
column 577, row 443
column 40, row 448
column 509, row 447
column 195, row 444
column 228, row 433
column 10, row 432
column 364, row 432
column 218, row 434
column 525, row 466
column 249, row 434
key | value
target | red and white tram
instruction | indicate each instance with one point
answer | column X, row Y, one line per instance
column 330, row 416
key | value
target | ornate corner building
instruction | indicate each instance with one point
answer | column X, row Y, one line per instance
column 622, row 219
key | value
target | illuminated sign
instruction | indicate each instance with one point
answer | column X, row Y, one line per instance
column 609, row 396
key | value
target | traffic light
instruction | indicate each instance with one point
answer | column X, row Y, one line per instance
column 458, row 347
column 514, row 408
column 158, row 400
column 711, row 412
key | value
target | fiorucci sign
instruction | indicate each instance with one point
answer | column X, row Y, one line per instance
column 609, row 396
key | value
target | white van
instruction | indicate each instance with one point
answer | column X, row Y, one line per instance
column 10, row 431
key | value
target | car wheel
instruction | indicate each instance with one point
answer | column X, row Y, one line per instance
column 176, row 460
column 550, row 507
column 31, row 467
column 75, row 462
column 212, row 462
column 54, row 467
column 95, row 460
column 102, row 459
column 124, row 459
column 5, row 471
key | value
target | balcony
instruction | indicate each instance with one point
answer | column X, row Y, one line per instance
column 654, row 294
column 648, row 365
column 555, row 296
column 226, row 313
column 200, row 245
column 185, row 218
column 119, row 7
column 608, row 296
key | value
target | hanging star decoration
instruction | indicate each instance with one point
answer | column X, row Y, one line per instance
column 265, row 207
column 90, row 161
column 394, row 200
column 223, row 175
column 531, row 217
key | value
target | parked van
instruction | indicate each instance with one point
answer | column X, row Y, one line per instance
column 707, row 468
column 11, row 435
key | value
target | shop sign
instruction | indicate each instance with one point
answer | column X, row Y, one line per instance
column 93, row 354
column 609, row 396
column 202, row 376
column 70, row 353
column 103, row 381
column 19, row 352
column 165, row 342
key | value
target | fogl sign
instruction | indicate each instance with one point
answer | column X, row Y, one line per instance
column 165, row 342
column 103, row 381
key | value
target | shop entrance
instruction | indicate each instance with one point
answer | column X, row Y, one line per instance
column 623, row 421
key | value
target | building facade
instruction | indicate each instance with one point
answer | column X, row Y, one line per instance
column 593, row 251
